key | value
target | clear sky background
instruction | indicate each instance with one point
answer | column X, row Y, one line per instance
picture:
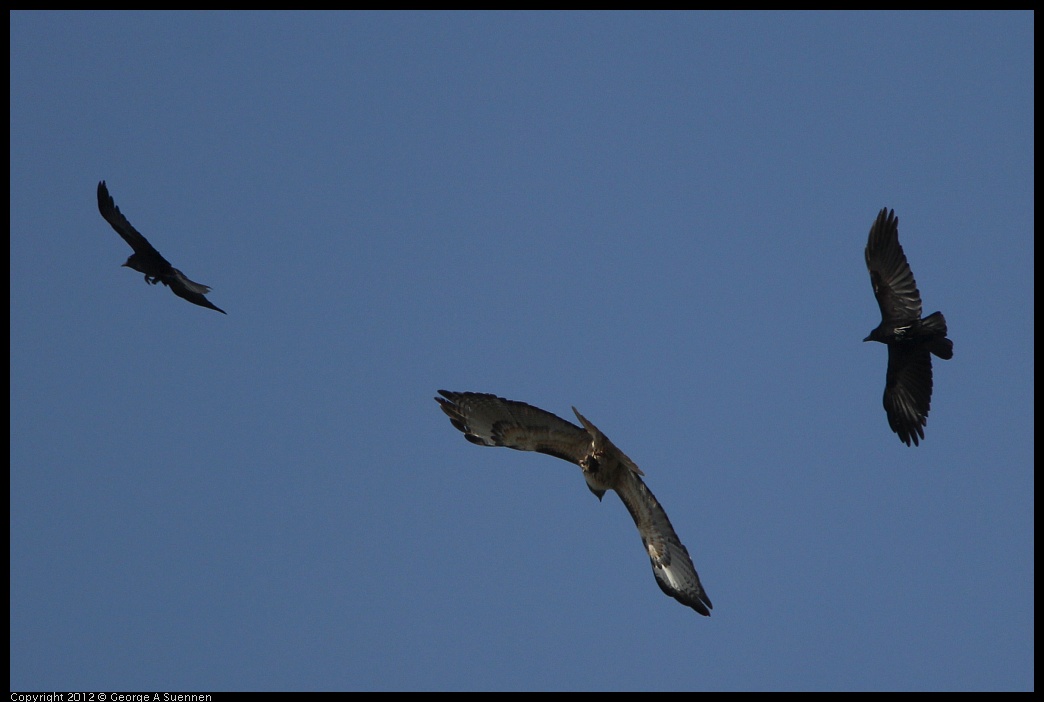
column 657, row 218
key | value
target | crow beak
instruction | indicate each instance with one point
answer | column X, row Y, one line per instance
column 867, row 339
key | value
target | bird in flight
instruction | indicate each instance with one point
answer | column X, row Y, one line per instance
column 911, row 340
column 488, row 420
column 148, row 260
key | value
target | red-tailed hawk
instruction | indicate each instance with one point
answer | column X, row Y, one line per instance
column 147, row 260
column 911, row 340
column 488, row 420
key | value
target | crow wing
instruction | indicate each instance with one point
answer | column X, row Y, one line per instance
column 184, row 288
column 908, row 390
column 111, row 213
column 890, row 274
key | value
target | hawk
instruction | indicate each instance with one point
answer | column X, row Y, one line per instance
column 148, row 260
column 911, row 340
column 488, row 420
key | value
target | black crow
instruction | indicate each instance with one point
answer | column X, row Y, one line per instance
column 148, row 260
column 910, row 339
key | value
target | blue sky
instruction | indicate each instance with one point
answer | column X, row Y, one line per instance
column 657, row 218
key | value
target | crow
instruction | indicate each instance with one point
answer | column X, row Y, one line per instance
column 910, row 339
column 148, row 260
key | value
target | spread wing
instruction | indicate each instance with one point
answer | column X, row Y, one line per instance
column 908, row 390
column 111, row 213
column 184, row 288
column 488, row 420
column 671, row 564
column 890, row 274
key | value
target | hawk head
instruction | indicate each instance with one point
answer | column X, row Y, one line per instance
column 603, row 451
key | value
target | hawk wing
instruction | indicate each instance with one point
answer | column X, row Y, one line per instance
column 890, row 274
column 111, row 213
column 671, row 564
column 908, row 390
column 488, row 420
